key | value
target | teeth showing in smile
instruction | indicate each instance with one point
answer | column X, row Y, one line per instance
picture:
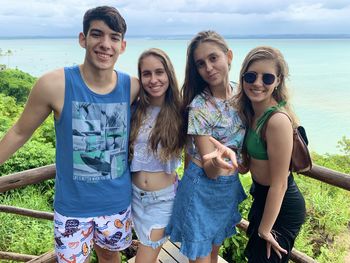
column 156, row 88
column 256, row 91
column 103, row 56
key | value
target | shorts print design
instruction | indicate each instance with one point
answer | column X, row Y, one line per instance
column 74, row 237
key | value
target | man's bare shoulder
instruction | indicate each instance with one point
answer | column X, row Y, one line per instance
column 49, row 89
column 51, row 82
column 55, row 77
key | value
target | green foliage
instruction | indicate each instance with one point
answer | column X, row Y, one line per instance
column 9, row 111
column 16, row 83
column 32, row 155
column 21, row 234
column 232, row 250
column 338, row 162
column 344, row 145
column 43, row 138
column 46, row 132
column 325, row 234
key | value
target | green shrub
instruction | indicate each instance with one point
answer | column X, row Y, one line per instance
column 22, row 234
column 32, row 155
column 16, row 83
column 9, row 112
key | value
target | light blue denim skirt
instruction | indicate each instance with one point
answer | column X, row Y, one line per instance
column 205, row 211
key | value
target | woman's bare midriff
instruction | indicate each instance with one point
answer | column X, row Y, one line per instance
column 153, row 181
column 259, row 170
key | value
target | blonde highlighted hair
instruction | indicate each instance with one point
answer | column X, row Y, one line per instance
column 280, row 92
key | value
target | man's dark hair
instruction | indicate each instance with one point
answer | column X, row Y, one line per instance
column 107, row 14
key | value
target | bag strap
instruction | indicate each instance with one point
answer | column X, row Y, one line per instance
column 266, row 116
column 264, row 127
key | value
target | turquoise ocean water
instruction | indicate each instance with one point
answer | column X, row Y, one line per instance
column 319, row 72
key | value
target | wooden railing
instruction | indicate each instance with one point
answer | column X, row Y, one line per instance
column 38, row 175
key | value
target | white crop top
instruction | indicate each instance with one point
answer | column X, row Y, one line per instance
column 144, row 158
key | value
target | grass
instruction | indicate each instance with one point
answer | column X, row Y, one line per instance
column 21, row 234
column 324, row 236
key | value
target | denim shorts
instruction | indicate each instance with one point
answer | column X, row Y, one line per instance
column 205, row 211
column 75, row 236
column 152, row 210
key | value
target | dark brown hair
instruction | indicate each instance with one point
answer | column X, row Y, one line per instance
column 107, row 14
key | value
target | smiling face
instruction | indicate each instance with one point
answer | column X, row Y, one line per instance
column 154, row 79
column 103, row 45
column 258, row 91
column 212, row 64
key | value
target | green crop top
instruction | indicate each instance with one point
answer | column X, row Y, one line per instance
column 255, row 145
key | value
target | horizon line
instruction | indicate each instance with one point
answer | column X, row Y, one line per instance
column 186, row 36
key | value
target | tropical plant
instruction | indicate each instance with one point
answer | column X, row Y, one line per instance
column 16, row 83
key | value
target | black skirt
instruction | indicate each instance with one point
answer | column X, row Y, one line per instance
column 286, row 227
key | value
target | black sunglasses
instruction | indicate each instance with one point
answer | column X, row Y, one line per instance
column 251, row 76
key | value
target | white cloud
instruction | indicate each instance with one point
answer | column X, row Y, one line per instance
column 64, row 17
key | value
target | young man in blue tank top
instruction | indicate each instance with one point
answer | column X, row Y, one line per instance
column 91, row 106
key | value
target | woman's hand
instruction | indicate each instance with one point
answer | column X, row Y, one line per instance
column 271, row 242
column 221, row 153
column 243, row 169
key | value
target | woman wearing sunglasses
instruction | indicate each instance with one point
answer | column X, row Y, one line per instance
column 278, row 209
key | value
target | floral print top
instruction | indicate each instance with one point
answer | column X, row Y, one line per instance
column 217, row 118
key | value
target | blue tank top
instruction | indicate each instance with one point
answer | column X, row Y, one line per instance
column 92, row 136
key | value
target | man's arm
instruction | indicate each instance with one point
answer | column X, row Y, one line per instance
column 134, row 89
column 43, row 98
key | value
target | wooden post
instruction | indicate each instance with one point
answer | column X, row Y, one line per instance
column 48, row 257
column 26, row 212
column 297, row 256
column 27, row 177
column 16, row 256
column 329, row 176
column 37, row 175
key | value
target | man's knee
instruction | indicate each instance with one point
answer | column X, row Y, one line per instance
column 105, row 255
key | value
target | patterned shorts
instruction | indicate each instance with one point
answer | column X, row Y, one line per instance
column 74, row 237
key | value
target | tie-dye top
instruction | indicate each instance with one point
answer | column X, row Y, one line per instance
column 217, row 118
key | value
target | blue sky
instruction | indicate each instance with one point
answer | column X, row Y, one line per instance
column 180, row 17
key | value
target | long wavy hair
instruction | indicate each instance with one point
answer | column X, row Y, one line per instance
column 167, row 131
column 194, row 84
column 280, row 92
